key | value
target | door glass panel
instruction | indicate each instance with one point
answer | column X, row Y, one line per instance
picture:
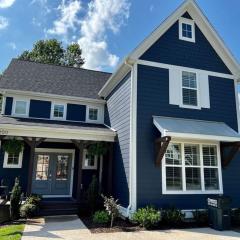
column 62, row 167
column 42, row 167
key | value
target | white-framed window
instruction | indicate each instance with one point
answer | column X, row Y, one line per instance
column 20, row 107
column 189, row 89
column 89, row 161
column 58, row 111
column 186, row 30
column 192, row 168
column 93, row 114
column 12, row 160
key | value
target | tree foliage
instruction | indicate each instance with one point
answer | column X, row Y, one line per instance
column 51, row 51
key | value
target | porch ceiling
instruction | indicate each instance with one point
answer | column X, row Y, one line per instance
column 24, row 127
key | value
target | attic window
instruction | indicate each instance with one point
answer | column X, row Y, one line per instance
column 186, row 30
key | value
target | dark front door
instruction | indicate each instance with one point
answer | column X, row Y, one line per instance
column 52, row 173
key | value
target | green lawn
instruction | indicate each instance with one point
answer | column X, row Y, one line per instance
column 11, row 232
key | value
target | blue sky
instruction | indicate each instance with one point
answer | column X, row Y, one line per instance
column 106, row 29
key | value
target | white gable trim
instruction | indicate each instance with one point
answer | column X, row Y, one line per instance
column 202, row 22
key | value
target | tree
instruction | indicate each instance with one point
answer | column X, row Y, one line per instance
column 52, row 51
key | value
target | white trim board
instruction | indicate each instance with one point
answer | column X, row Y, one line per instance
column 58, row 133
column 187, row 69
column 56, row 150
column 50, row 97
column 202, row 22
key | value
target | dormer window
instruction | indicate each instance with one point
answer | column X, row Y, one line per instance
column 20, row 107
column 58, row 111
column 186, row 30
column 93, row 114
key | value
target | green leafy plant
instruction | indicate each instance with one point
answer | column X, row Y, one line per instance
column 34, row 199
column 92, row 194
column 28, row 210
column 98, row 149
column 13, row 146
column 15, row 200
column 112, row 207
column 201, row 217
column 173, row 216
column 101, row 217
column 147, row 217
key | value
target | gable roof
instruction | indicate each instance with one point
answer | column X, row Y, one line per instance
column 30, row 76
column 191, row 7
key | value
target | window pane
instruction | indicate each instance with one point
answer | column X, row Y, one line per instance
column 211, row 179
column 192, row 157
column 193, row 178
column 189, row 79
column 173, row 154
column 13, row 159
column 210, row 156
column 58, row 111
column 174, row 178
column 42, row 167
column 62, row 167
column 189, row 97
column 21, row 107
column 93, row 113
column 187, row 30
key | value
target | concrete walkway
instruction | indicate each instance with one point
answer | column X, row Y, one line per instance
column 71, row 228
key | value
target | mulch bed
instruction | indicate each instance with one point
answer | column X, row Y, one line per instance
column 120, row 225
column 16, row 222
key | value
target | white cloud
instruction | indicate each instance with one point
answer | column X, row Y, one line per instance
column 68, row 18
column 12, row 45
column 3, row 23
column 6, row 3
column 43, row 4
column 102, row 15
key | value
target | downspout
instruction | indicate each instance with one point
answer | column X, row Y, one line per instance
column 130, row 64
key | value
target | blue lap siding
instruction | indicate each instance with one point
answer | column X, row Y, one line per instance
column 118, row 104
column 8, row 106
column 40, row 109
column 76, row 112
column 170, row 50
column 153, row 99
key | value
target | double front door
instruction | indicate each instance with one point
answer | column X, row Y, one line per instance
column 52, row 173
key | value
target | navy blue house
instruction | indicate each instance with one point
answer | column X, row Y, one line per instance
column 169, row 114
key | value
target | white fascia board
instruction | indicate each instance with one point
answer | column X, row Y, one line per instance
column 204, row 25
column 57, row 133
column 112, row 82
column 202, row 137
column 50, row 96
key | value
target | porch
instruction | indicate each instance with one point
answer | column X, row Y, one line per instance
column 55, row 161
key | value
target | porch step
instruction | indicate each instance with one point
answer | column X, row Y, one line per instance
column 58, row 207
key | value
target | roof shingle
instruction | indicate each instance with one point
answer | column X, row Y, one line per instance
column 51, row 79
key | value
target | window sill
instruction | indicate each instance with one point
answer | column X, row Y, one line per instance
column 192, row 192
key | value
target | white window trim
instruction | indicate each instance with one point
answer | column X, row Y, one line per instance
column 19, row 165
column 184, row 191
column 189, row 22
column 198, row 106
column 89, row 167
column 100, row 114
column 14, row 107
column 64, row 111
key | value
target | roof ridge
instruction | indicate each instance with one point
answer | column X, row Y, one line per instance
column 55, row 65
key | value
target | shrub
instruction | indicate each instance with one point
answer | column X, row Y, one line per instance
column 201, row 217
column 92, row 194
column 28, row 210
column 101, row 217
column 173, row 216
column 147, row 217
column 111, row 207
column 15, row 200
column 34, row 199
